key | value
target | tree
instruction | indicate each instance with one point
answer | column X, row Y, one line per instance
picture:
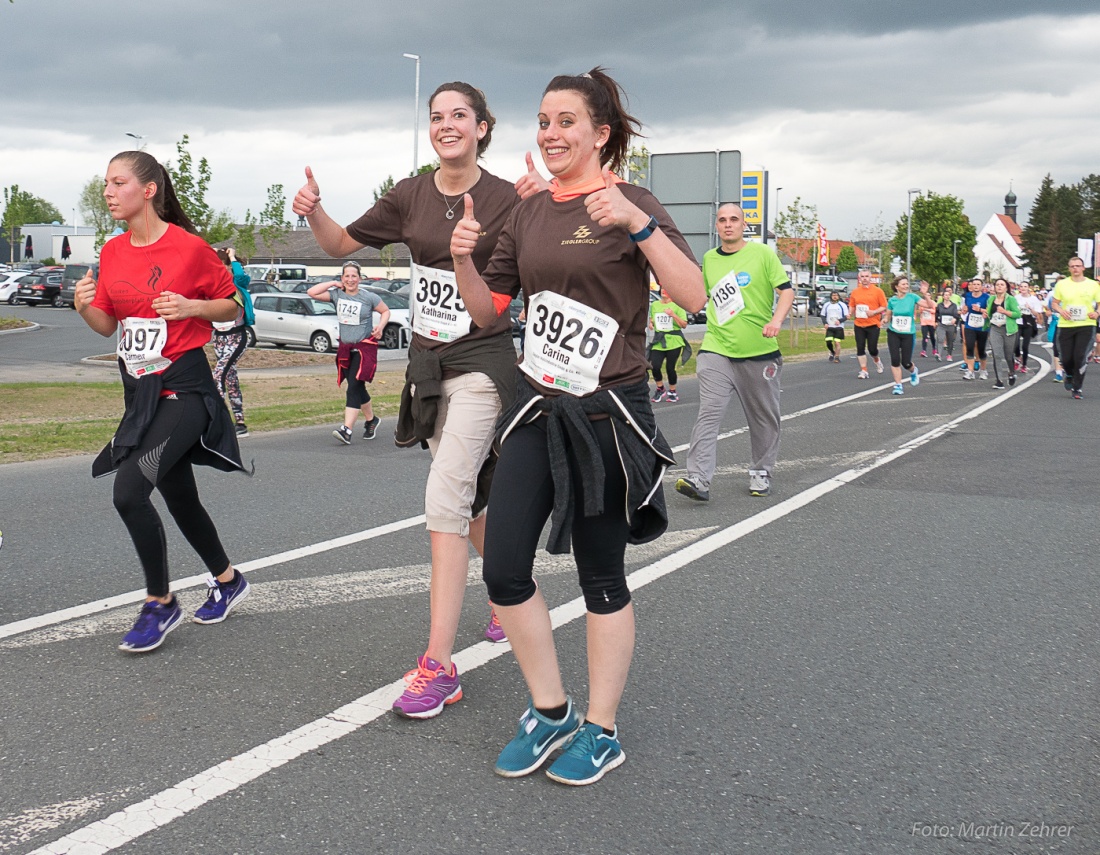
column 873, row 240
column 1056, row 220
column 1089, row 190
column 191, row 185
column 383, row 188
column 847, row 259
column 637, row 165
column 221, row 227
column 20, row 208
column 938, row 221
column 795, row 229
column 273, row 223
column 244, row 238
column 94, row 210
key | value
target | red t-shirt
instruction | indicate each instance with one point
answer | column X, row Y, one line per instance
column 130, row 277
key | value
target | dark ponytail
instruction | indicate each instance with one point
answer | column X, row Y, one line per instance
column 147, row 169
column 604, row 98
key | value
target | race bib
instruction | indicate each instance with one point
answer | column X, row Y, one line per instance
column 663, row 322
column 1078, row 313
column 927, row 318
column 140, row 345
column 349, row 312
column 999, row 319
column 975, row 321
column 947, row 320
column 727, row 297
column 902, row 323
column 565, row 343
column 437, row 310
column 863, row 310
column 226, row 326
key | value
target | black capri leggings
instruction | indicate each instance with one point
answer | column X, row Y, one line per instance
column 519, row 505
column 357, row 394
column 163, row 460
column 669, row 358
column 866, row 341
column 901, row 349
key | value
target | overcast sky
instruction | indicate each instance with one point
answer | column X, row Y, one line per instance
column 847, row 104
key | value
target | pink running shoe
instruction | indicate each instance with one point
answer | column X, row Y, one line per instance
column 494, row 631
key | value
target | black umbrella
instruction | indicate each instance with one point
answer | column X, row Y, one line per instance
column 65, row 251
column 28, row 252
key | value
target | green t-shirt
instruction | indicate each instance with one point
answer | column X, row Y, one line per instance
column 1077, row 296
column 740, row 299
column 901, row 308
column 661, row 314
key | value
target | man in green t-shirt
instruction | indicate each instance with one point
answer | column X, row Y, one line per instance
column 1076, row 302
column 739, row 354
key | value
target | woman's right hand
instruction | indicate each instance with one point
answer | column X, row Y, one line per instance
column 84, row 292
column 306, row 199
column 467, row 231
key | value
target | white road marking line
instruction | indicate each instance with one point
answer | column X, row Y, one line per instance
column 355, row 586
column 162, row 808
column 32, row 823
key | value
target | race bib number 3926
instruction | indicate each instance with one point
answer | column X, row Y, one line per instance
column 566, row 343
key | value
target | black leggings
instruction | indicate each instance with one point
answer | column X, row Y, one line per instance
column 519, row 505
column 163, row 460
column 669, row 358
column 1075, row 344
column 357, row 395
column 901, row 349
column 1028, row 329
column 867, row 340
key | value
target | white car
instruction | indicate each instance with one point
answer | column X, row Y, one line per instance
column 9, row 284
column 399, row 330
column 283, row 319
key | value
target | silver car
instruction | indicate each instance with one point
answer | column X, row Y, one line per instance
column 283, row 319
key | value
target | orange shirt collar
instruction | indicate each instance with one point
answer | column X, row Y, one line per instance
column 558, row 194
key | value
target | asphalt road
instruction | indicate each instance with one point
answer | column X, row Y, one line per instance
column 895, row 652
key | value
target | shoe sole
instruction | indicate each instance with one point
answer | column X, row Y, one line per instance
column 554, row 746
column 607, row 767
column 500, row 640
column 373, row 433
column 232, row 604
column 344, row 439
column 160, row 641
column 452, row 698
column 690, row 492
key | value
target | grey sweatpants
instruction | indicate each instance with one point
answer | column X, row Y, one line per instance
column 1004, row 347
column 756, row 384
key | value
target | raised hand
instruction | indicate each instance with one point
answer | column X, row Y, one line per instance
column 467, row 231
column 532, row 182
column 84, row 292
column 307, row 198
column 609, row 207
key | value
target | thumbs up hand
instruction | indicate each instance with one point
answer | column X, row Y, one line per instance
column 84, row 292
column 609, row 207
column 532, row 182
column 306, row 200
column 467, row 231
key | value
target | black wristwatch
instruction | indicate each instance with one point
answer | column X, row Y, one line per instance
column 638, row 237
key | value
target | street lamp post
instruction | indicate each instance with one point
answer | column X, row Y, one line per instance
column 416, row 111
column 954, row 263
column 139, row 138
column 909, row 238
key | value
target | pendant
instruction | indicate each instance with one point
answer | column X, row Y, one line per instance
column 450, row 215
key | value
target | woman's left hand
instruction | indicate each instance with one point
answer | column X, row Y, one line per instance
column 173, row 307
column 609, row 207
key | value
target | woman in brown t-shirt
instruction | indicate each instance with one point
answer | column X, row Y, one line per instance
column 420, row 212
column 580, row 444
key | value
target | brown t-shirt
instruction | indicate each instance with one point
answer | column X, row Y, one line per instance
column 414, row 213
column 557, row 247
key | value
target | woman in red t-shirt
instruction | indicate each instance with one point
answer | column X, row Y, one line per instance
column 161, row 286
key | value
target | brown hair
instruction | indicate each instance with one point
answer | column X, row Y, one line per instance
column 147, row 169
column 476, row 99
column 604, row 99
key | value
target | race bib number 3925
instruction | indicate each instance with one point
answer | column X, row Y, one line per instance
column 438, row 312
column 566, row 343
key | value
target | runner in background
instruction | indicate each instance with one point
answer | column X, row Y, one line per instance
column 947, row 323
column 867, row 305
column 580, row 444
column 1075, row 302
column 667, row 320
column 459, row 373
column 927, row 310
column 1004, row 312
column 1031, row 317
column 976, row 335
column 833, row 315
column 902, row 313
column 164, row 286
column 357, row 353
column 230, row 341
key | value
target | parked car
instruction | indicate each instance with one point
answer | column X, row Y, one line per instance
column 39, row 288
column 399, row 329
column 258, row 286
column 287, row 275
column 390, row 284
column 514, row 308
column 283, row 319
column 9, row 285
column 73, row 274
